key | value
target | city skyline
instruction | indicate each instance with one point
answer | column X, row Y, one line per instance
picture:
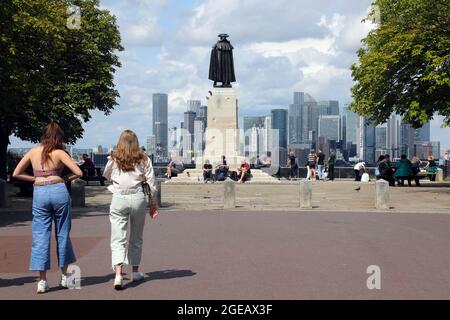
column 167, row 48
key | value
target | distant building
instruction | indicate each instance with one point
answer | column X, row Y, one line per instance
column 351, row 126
column 194, row 106
column 422, row 134
column 253, row 136
column 151, row 145
column 160, row 125
column 366, row 141
column 188, row 136
column 330, row 127
column 280, row 126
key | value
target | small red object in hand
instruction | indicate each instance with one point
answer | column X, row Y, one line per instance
column 153, row 212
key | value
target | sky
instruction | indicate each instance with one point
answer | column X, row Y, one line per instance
column 279, row 47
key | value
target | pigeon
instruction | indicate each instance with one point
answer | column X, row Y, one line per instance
column 188, row 174
column 357, row 188
column 210, row 92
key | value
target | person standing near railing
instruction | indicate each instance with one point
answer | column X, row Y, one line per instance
column 331, row 162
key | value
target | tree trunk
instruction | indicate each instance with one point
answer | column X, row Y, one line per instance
column 4, row 142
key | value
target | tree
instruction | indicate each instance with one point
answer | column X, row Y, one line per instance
column 404, row 63
column 51, row 72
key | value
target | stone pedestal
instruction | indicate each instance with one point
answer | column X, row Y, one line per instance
column 229, row 197
column 222, row 132
column 382, row 194
column 78, row 193
column 306, row 194
column 440, row 175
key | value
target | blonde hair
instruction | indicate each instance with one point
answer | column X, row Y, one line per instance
column 128, row 154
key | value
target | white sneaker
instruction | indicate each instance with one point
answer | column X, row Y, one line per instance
column 118, row 282
column 63, row 282
column 42, row 286
column 137, row 276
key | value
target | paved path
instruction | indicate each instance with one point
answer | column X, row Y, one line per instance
column 251, row 255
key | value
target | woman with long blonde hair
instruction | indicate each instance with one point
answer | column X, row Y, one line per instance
column 51, row 202
column 128, row 168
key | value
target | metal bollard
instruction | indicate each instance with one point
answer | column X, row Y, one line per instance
column 3, row 198
column 382, row 194
column 229, row 195
column 306, row 194
column 78, row 193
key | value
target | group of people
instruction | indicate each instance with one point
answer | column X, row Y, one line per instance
column 221, row 171
column 131, row 172
column 315, row 165
column 404, row 169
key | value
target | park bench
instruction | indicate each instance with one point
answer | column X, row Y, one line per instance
column 88, row 176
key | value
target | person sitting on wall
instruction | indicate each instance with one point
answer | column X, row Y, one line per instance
column 221, row 170
column 88, row 165
column 207, row 172
column 386, row 172
column 431, row 167
column 244, row 173
column 403, row 171
column 174, row 167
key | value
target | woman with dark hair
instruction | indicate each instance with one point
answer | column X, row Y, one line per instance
column 130, row 170
column 51, row 201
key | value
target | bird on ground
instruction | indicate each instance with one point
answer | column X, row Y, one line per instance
column 358, row 188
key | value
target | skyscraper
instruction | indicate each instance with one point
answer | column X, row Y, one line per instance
column 422, row 134
column 253, row 136
column 295, row 118
column 280, row 126
column 301, row 119
column 188, row 139
column 366, row 140
column 393, row 136
column 194, row 106
column 351, row 125
column 160, row 124
column 323, row 108
column 329, row 127
column 406, row 139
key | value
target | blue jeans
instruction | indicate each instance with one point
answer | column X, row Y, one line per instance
column 320, row 171
column 51, row 203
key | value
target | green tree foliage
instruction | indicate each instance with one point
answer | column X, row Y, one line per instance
column 404, row 63
column 50, row 72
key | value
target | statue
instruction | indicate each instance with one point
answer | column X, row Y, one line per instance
column 221, row 66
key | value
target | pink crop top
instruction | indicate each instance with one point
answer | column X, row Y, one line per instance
column 47, row 173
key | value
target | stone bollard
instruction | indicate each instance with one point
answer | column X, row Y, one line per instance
column 3, row 198
column 158, row 194
column 229, row 195
column 78, row 193
column 382, row 194
column 439, row 175
column 306, row 194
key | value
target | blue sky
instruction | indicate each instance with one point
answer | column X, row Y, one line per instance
column 280, row 47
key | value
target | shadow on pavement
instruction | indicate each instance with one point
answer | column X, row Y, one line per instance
column 162, row 275
column 156, row 275
column 17, row 282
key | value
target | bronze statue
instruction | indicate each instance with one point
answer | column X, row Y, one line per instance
column 221, row 66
